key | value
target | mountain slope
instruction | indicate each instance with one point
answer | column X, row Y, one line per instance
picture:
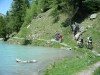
column 43, row 27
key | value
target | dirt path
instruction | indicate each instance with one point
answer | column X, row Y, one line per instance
column 48, row 41
column 90, row 69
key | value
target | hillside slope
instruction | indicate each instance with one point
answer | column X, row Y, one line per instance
column 42, row 30
column 43, row 27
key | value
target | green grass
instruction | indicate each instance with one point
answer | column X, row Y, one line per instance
column 71, row 66
column 97, row 71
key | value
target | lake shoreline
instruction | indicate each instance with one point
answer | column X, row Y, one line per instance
column 43, row 55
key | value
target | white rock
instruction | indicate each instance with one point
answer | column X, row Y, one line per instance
column 93, row 16
column 77, row 35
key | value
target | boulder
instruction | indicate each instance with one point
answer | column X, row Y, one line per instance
column 77, row 35
column 93, row 16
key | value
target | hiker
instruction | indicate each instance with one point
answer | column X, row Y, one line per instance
column 57, row 36
column 89, row 42
column 60, row 38
column 80, row 41
column 81, row 38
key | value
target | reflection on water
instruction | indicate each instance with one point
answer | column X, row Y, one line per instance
column 44, row 56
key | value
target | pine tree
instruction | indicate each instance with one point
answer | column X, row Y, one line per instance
column 31, row 13
column 9, row 24
column 18, row 12
column 2, row 27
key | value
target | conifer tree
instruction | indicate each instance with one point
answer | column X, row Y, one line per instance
column 2, row 27
column 18, row 12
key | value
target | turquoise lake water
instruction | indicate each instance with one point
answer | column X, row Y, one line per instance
column 43, row 55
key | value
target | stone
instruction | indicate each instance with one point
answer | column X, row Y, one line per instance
column 93, row 16
column 77, row 35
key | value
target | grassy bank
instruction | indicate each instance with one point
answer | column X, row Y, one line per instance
column 72, row 66
column 97, row 71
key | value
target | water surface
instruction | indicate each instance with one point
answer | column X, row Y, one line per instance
column 44, row 56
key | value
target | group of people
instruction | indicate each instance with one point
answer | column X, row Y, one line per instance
column 80, row 40
column 89, row 41
column 58, row 36
column 78, row 36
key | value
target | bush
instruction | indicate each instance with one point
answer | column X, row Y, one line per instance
column 27, row 41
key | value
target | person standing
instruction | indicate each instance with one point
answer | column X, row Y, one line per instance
column 89, row 42
column 60, row 38
column 57, row 36
column 81, row 38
